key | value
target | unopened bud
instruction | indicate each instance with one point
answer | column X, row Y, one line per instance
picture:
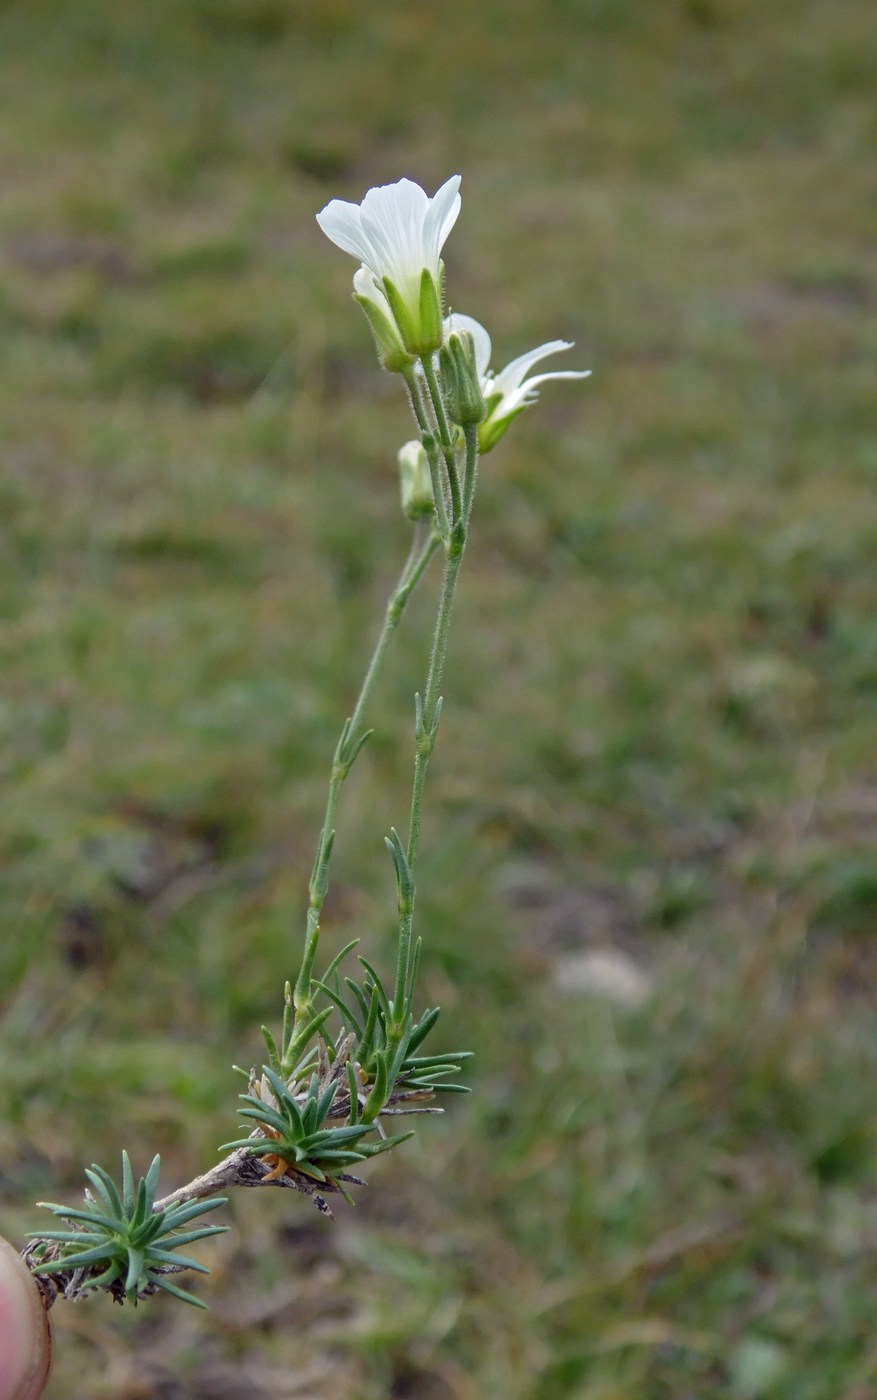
column 415, row 481
column 461, row 381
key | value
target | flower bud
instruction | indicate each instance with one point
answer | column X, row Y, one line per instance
column 461, row 381
column 415, row 481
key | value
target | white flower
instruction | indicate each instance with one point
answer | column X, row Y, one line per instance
column 508, row 393
column 398, row 232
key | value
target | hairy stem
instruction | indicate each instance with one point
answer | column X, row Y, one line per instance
column 352, row 738
column 426, row 427
column 444, row 435
column 428, row 715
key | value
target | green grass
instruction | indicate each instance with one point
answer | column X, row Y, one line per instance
column 658, row 734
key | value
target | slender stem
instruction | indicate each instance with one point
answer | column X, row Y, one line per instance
column 349, row 745
column 470, row 476
column 428, row 715
column 432, row 700
column 423, row 547
column 444, row 434
column 426, row 432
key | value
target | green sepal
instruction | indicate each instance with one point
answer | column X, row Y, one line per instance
column 391, row 351
column 492, row 429
column 430, row 307
column 420, row 327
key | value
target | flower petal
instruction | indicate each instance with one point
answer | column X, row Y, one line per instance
column 365, row 284
column 444, row 208
column 514, row 373
column 342, row 223
column 458, row 322
column 393, row 218
column 530, row 384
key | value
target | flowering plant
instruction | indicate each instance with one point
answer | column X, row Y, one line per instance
column 351, row 1052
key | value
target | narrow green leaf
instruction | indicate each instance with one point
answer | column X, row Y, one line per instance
column 187, row 1210
column 146, row 1232
column 184, row 1210
column 110, row 1275
column 266, row 1116
column 425, row 1061
column 306, row 1033
column 304, row 1164
column 168, row 1256
column 103, row 1185
column 360, row 995
column 142, row 1207
column 374, row 1149
column 271, row 1047
column 127, row 1183
column 339, row 958
column 353, row 1089
column 71, row 1236
column 89, row 1217
column 378, row 1092
column 423, row 1028
column 151, row 1182
column 330, row 1136
column 135, row 1269
column 76, row 1260
column 254, row 1145
column 342, row 1158
column 369, row 1032
column 162, row 1281
column 190, row 1236
column 379, row 986
column 340, row 1004
column 415, row 968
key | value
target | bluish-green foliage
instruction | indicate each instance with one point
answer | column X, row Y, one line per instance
column 120, row 1241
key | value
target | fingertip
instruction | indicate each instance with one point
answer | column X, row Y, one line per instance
column 25, row 1330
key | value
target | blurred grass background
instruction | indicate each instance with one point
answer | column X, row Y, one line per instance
column 649, row 884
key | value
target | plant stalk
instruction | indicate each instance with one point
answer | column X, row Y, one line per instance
column 351, row 741
column 428, row 715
